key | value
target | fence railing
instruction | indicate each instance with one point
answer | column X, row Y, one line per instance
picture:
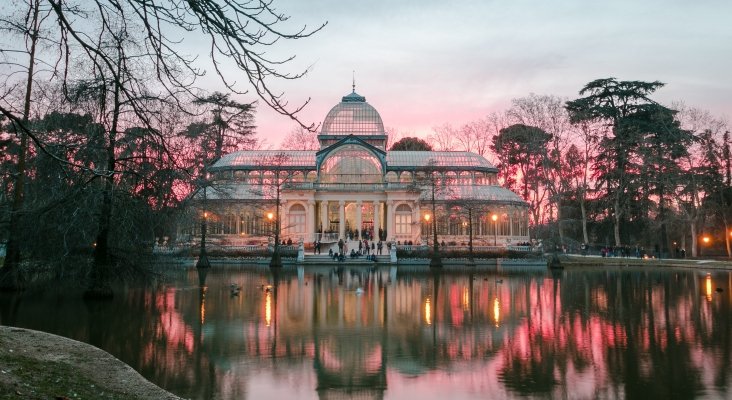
column 526, row 249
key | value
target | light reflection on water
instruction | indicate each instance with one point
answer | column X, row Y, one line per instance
column 379, row 333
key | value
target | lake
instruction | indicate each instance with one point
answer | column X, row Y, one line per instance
column 388, row 333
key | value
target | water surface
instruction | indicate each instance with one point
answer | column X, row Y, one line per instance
column 383, row 333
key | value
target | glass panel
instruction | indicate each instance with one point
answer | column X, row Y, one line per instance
column 357, row 118
column 351, row 164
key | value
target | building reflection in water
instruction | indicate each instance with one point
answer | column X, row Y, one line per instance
column 369, row 333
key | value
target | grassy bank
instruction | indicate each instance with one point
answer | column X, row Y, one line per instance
column 37, row 365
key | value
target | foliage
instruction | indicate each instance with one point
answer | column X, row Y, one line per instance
column 411, row 144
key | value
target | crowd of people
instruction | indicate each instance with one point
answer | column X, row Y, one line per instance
column 366, row 249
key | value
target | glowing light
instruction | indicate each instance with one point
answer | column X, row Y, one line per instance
column 709, row 287
column 268, row 308
column 706, row 239
column 202, row 312
column 270, row 216
column 496, row 312
column 494, row 217
column 427, row 311
column 205, row 214
column 466, row 298
column 427, row 217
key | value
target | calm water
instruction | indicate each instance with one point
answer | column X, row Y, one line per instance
column 360, row 333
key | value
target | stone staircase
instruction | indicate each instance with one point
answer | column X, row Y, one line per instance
column 324, row 259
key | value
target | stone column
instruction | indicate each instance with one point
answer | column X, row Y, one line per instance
column 359, row 218
column 284, row 228
column 389, row 220
column 510, row 222
column 377, row 222
column 341, row 219
column 416, row 221
column 324, row 222
column 310, row 221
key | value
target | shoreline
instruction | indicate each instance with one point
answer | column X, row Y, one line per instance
column 576, row 260
column 35, row 364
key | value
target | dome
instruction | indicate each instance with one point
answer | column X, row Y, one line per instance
column 353, row 116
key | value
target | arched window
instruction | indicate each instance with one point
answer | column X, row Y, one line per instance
column 466, row 178
column 229, row 224
column 296, row 219
column 405, row 177
column 391, row 176
column 351, row 164
column 254, row 177
column 298, row 176
column 479, row 178
column 524, row 224
column 503, row 227
column 403, row 219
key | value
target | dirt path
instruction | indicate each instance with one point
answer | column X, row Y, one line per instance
column 38, row 365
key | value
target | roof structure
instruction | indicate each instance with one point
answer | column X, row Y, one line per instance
column 437, row 158
column 306, row 159
column 264, row 158
column 491, row 193
column 353, row 116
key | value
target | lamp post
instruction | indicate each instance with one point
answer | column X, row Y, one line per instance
column 705, row 240
column 494, row 217
column 427, row 234
column 276, row 258
column 203, row 256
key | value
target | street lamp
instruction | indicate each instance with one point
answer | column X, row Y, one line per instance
column 203, row 256
column 494, row 217
column 705, row 239
column 276, row 258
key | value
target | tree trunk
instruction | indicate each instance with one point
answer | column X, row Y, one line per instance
column 560, row 228
column 726, row 237
column 583, row 209
column 99, row 283
column 9, row 272
column 694, row 239
column 616, row 222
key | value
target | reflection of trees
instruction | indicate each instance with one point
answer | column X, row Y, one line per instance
column 621, row 332
column 532, row 374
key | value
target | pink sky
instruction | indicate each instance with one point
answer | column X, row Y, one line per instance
column 425, row 63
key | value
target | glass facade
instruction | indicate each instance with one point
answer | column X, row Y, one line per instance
column 353, row 188
column 351, row 164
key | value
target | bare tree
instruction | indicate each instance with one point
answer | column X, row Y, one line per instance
column 238, row 31
column 270, row 192
column 704, row 171
column 548, row 114
column 444, row 138
column 301, row 139
column 30, row 33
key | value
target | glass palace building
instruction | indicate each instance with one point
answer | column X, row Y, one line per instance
column 353, row 188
